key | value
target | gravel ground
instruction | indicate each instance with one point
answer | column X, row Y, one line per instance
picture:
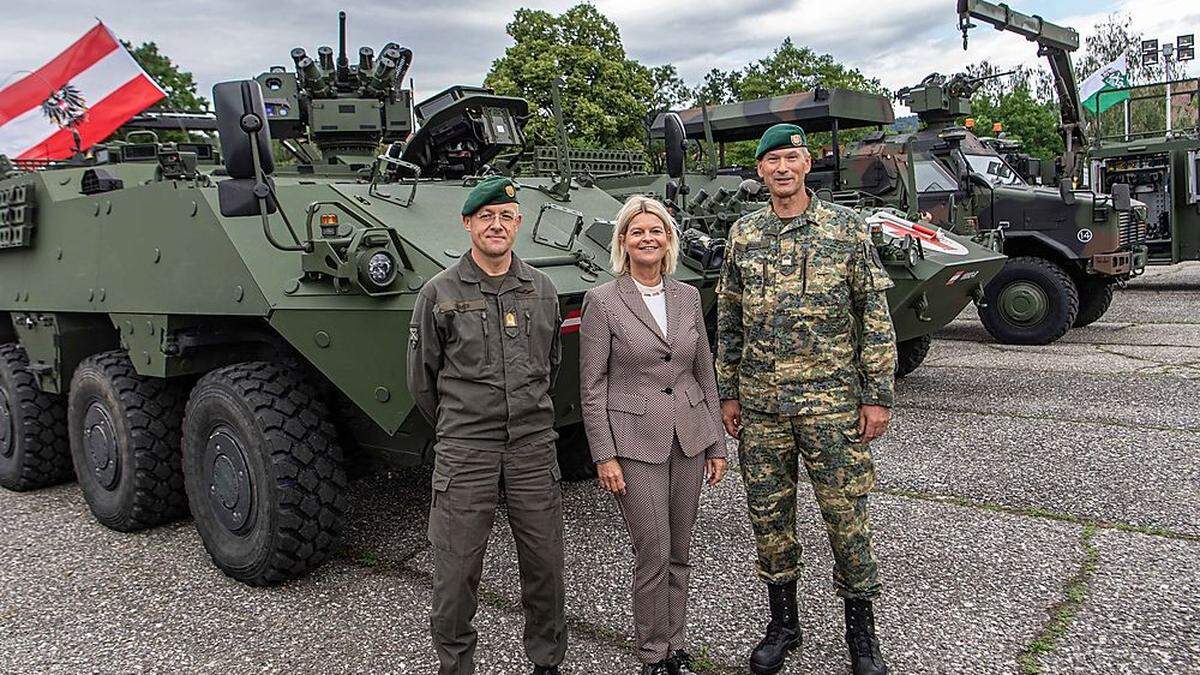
column 998, row 458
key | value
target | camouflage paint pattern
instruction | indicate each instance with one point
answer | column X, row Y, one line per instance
column 816, row 110
column 802, row 318
column 842, row 474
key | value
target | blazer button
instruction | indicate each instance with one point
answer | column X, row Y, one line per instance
column 667, row 357
column 668, row 390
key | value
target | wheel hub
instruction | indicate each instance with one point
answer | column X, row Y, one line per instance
column 1024, row 303
column 100, row 446
column 230, row 489
column 7, row 433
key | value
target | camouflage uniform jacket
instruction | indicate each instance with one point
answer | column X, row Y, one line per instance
column 802, row 319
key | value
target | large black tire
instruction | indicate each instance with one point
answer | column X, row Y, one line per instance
column 33, row 427
column 1031, row 301
column 911, row 353
column 125, row 430
column 1095, row 297
column 574, row 454
column 263, row 471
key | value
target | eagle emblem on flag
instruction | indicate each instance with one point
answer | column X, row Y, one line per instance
column 65, row 106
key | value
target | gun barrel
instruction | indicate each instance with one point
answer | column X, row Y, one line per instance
column 343, row 61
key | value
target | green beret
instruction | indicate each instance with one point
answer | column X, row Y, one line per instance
column 490, row 190
column 780, row 136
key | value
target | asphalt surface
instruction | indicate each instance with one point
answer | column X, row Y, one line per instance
column 1038, row 509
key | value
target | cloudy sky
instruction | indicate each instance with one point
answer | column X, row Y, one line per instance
column 455, row 43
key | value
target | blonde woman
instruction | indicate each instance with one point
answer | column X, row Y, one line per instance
column 652, row 417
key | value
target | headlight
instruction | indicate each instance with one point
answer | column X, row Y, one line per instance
column 378, row 270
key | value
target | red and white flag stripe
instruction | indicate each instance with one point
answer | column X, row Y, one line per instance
column 571, row 322
column 107, row 86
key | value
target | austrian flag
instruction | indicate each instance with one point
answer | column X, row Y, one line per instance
column 87, row 91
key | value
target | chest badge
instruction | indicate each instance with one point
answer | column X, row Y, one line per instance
column 510, row 320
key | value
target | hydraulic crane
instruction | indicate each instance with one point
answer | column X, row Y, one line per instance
column 1056, row 44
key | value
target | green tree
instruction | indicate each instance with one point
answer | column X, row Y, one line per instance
column 788, row 69
column 179, row 84
column 1023, row 116
column 606, row 95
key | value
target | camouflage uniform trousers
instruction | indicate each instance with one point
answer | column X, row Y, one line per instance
column 842, row 473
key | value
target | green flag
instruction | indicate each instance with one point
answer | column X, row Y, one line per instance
column 1098, row 92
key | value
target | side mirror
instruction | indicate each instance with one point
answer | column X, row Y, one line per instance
column 672, row 191
column 1065, row 192
column 1120, row 197
column 676, row 144
column 241, row 122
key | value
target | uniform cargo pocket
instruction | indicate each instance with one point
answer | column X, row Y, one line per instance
column 441, row 484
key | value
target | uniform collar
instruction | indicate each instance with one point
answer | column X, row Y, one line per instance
column 810, row 214
column 469, row 272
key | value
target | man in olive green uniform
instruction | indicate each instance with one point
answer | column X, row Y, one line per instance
column 482, row 356
column 805, row 367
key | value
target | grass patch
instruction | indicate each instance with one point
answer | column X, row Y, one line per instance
column 1038, row 512
column 1062, row 613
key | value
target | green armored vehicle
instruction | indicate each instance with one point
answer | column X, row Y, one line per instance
column 936, row 273
column 229, row 339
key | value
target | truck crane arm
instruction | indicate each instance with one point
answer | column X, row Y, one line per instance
column 1056, row 44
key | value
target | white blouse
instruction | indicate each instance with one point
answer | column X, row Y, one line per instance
column 656, row 302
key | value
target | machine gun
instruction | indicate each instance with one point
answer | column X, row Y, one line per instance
column 1056, row 44
column 939, row 100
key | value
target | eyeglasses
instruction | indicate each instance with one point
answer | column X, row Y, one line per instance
column 505, row 218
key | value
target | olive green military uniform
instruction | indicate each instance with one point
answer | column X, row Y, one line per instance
column 483, row 354
column 804, row 338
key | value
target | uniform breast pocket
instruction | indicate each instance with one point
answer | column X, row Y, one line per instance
column 538, row 321
column 467, row 346
column 753, row 260
column 826, row 272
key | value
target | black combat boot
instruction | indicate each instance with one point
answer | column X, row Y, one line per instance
column 783, row 632
column 545, row 670
column 865, row 658
column 659, row 668
column 680, row 663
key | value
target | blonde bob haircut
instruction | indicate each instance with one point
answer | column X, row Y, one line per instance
column 635, row 206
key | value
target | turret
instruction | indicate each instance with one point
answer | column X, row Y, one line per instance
column 347, row 109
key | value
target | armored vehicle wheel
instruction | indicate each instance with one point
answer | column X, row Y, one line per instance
column 1031, row 301
column 33, row 429
column 124, row 431
column 911, row 353
column 263, row 471
column 574, row 454
column 1095, row 296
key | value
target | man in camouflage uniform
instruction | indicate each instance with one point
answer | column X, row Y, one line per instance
column 805, row 366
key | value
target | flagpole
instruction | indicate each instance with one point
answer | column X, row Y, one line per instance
column 1127, row 115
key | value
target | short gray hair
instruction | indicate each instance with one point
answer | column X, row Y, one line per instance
column 634, row 206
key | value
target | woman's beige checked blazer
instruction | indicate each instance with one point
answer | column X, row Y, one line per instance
column 639, row 386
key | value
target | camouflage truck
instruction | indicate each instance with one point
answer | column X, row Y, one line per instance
column 228, row 338
column 1159, row 158
column 936, row 273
